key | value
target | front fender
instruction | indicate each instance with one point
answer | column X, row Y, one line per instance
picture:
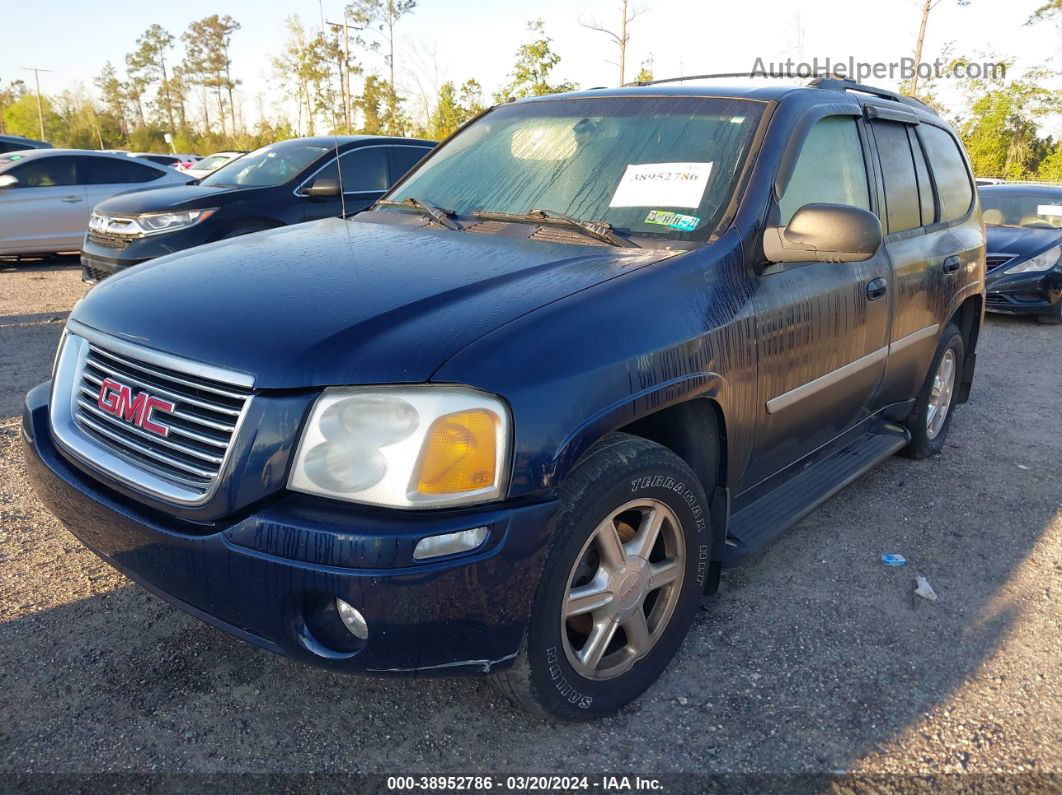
column 631, row 408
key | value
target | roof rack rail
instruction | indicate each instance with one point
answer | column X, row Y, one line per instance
column 846, row 84
column 824, row 80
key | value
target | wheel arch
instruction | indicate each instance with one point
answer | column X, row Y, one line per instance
column 688, row 418
column 255, row 224
column 967, row 317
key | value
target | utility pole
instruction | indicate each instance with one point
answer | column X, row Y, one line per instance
column 926, row 8
column 344, row 70
column 37, row 77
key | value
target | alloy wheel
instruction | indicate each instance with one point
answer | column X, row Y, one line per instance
column 623, row 589
column 940, row 394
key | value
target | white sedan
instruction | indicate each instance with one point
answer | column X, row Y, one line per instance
column 209, row 164
column 47, row 195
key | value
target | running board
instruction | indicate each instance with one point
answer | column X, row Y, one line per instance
column 751, row 529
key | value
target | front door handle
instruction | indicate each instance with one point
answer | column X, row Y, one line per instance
column 72, row 199
column 952, row 264
column 876, row 288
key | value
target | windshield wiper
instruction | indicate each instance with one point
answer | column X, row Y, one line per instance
column 430, row 210
column 599, row 230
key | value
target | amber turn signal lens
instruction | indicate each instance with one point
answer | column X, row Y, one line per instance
column 460, row 453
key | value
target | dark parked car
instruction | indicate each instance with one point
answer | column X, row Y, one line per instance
column 16, row 143
column 517, row 417
column 1024, row 227
column 280, row 184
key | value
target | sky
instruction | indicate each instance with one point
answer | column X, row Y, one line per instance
column 457, row 39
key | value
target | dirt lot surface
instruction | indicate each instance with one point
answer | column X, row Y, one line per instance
column 819, row 659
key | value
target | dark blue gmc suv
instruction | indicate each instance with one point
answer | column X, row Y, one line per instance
column 515, row 417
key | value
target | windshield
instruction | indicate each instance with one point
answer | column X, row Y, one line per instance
column 1033, row 209
column 649, row 166
column 266, row 167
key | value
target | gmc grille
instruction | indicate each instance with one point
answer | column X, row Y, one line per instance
column 201, row 426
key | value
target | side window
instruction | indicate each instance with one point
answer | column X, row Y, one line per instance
column 364, row 170
column 898, row 173
column 114, row 171
column 405, row 157
column 925, row 185
column 830, row 169
column 46, row 172
column 953, row 182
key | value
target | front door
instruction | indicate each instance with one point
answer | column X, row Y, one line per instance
column 364, row 176
column 821, row 327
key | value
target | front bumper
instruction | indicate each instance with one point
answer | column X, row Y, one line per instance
column 264, row 576
column 1024, row 293
column 98, row 261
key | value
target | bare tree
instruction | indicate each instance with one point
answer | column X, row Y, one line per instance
column 927, row 6
column 628, row 13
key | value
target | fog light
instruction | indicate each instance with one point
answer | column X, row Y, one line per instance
column 352, row 620
column 449, row 544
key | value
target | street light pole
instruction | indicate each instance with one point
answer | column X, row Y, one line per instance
column 40, row 110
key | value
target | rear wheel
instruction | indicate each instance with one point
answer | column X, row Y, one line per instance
column 931, row 416
column 620, row 584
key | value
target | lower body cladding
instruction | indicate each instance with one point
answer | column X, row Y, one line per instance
column 271, row 578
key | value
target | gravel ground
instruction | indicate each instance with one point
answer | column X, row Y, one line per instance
column 817, row 660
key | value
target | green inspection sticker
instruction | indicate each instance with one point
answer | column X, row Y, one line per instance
column 685, row 223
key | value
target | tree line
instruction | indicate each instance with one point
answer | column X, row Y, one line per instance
column 185, row 85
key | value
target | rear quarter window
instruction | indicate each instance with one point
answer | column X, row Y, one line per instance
column 954, row 189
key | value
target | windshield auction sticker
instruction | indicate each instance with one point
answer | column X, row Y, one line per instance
column 662, row 185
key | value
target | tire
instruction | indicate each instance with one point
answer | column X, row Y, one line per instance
column 631, row 485
column 1052, row 318
column 928, row 427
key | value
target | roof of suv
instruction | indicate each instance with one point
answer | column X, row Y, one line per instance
column 830, row 90
column 29, row 143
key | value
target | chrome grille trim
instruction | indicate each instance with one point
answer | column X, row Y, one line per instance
column 184, row 467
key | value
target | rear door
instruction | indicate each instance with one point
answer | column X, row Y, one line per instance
column 821, row 327
column 404, row 157
column 47, row 211
column 929, row 195
column 106, row 176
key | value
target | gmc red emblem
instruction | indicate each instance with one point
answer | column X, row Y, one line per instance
column 118, row 401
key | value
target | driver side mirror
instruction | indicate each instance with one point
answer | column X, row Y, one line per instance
column 824, row 233
column 322, row 187
column 8, row 181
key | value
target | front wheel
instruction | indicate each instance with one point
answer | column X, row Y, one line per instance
column 933, row 410
column 1054, row 317
column 620, row 585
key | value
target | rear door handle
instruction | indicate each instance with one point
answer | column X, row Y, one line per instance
column 72, row 199
column 952, row 264
column 876, row 288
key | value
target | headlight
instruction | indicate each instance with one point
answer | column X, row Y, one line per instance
column 156, row 223
column 404, row 447
column 148, row 223
column 1041, row 262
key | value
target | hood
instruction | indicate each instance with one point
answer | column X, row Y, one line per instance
column 178, row 197
column 343, row 302
column 1020, row 240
